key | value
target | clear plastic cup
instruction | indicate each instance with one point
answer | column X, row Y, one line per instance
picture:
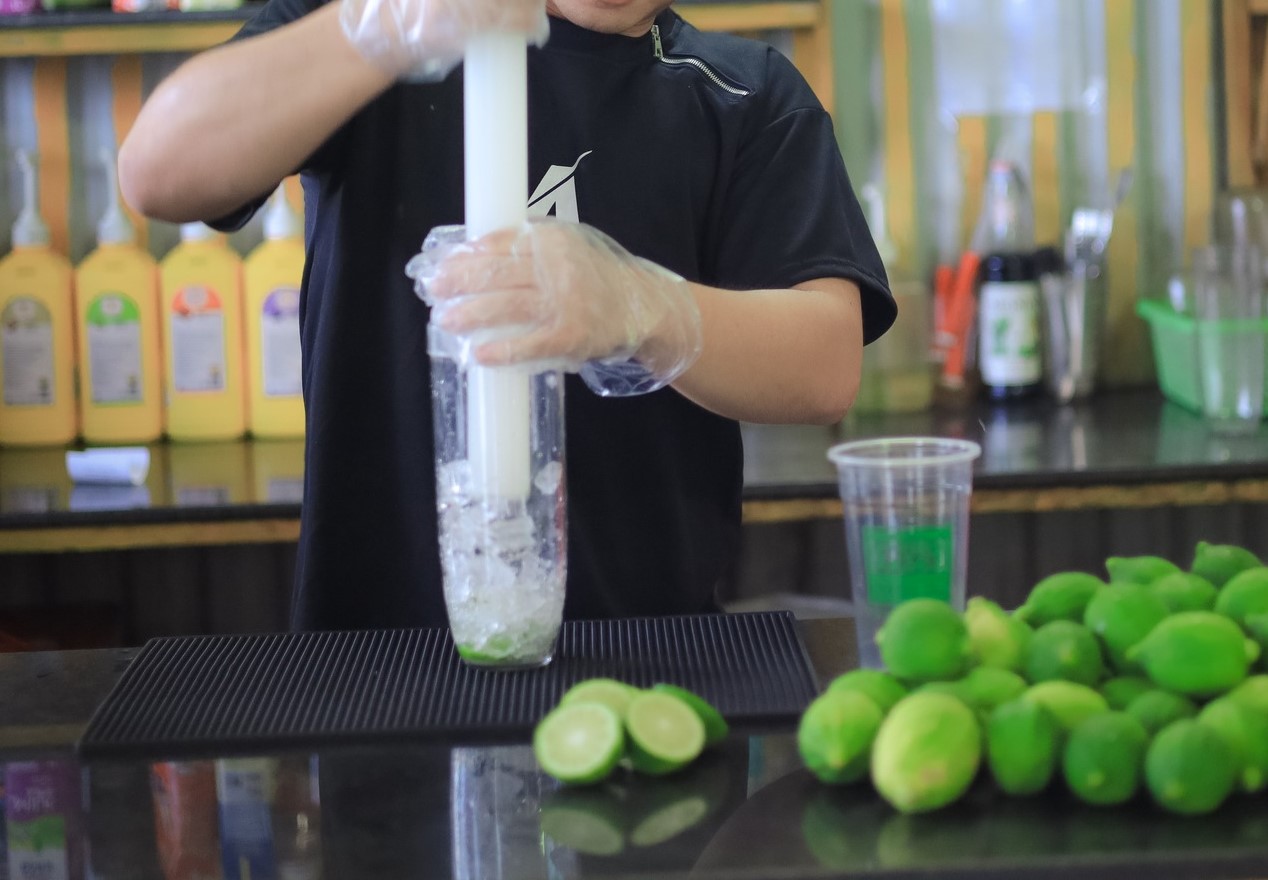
column 1230, row 303
column 906, row 503
column 501, row 507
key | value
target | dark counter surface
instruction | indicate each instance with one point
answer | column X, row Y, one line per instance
column 1125, row 439
column 745, row 810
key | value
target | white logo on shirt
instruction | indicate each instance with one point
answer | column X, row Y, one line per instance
column 557, row 193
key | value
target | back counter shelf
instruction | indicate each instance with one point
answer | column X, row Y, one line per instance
column 1123, row 450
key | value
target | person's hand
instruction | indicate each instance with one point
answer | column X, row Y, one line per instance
column 562, row 295
column 425, row 39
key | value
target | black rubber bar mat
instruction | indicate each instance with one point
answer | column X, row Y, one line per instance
column 201, row 694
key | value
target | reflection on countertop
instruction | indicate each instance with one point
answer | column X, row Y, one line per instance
column 1130, row 437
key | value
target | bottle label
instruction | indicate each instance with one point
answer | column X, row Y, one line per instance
column 1008, row 318
column 280, row 358
column 26, row 336
column 114, row 350
column 198, row 341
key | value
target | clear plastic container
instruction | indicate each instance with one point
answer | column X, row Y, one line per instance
column 906, row 502
column 501, row 506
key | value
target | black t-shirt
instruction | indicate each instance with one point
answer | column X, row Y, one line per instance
column 724, row 170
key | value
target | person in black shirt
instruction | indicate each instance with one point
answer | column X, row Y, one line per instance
column 704, row 156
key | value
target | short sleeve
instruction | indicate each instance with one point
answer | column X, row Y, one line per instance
column 790, row 215
column 274, row 14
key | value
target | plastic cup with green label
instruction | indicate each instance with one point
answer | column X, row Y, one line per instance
column 906, row 503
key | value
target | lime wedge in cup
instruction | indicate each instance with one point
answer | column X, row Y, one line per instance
column 715, row 726
column 665, row 734
column 579, row 744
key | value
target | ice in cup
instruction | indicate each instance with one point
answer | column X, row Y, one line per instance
column 906, row 504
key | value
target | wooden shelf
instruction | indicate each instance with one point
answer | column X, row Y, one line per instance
column 108, row 33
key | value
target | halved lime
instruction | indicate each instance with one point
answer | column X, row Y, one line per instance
column 715, row 726
column 579, row 744
column 665, row 734
column 616, row 695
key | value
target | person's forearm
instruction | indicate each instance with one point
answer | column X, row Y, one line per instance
column 232, row 122
column 778, row 356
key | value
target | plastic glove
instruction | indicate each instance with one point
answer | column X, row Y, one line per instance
column 425, row 39
column 564, row 296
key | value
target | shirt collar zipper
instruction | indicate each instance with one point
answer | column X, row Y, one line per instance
column 658, row 52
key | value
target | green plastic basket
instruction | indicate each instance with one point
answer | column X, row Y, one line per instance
column 1175, row 343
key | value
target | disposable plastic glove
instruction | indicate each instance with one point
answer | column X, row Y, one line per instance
column 425, row 39
column 562, row 296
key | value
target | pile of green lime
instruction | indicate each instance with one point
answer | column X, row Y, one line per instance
column 601, row 722
column 1152, row 680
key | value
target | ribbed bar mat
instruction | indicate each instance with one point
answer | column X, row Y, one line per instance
column 232, row 693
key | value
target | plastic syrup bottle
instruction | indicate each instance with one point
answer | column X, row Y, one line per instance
column 117, row 316
column 1009, row 300
column 201, row 283
column 37, row 331
column 272, row 274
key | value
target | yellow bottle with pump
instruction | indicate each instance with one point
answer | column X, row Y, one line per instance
column 201, row 284
column 272, row 274
column 37, row 332
column 117, row 318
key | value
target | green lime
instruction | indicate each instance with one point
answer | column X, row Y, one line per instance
column 1247, row 732
column 1190, row 768
column 1138, row 569
column 924, row 640
column 1121, row 690
column 836, row 733
column 663, row 732
column 1104, row 757
column 1064, row 650
column 883, row 688
column 1061, row 596
column 1122, row 617
column 1156, row 709
column 987, row 687
column 1068, row 701
column 1023, row 742
column 926, row 752
column 579, row 744
column 1219, row 562
column 1245, row 594
column 715, row 726
column 1185, row 591
column 1196, row 653
column 1253, row 692
column 616, row 695
column 1257, row 627
column 586, row 820
column 996, row 638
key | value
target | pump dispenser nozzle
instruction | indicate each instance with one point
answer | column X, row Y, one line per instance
column 280, row 221
column 874, row 208
column 114, row 226
column 29, row 230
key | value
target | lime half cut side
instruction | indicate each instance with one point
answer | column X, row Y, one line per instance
column 665, row 734
column 579, row 744
column 616, row 695
column 715, row 726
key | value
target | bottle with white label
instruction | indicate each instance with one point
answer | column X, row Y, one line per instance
column 37, row 331
column 117, row 317
column 1009, row 340
column 201, row 284
column 272, row 275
